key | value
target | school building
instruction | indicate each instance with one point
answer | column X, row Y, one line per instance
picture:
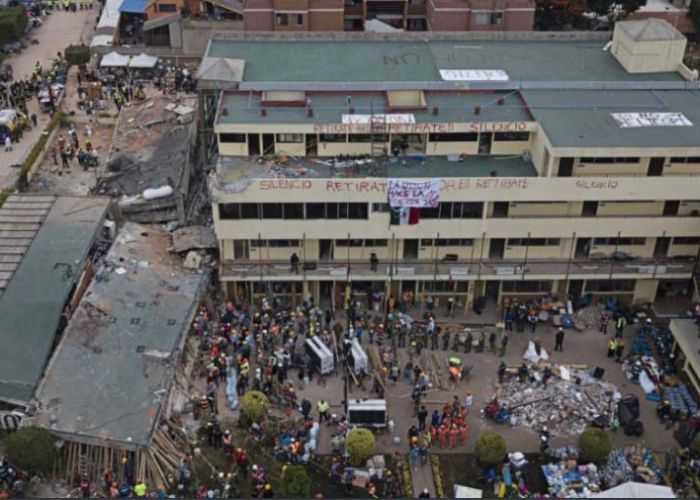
column 563, row 166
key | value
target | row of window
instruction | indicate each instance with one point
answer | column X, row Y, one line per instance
column 446, row 242
column 534, row 242
column 544, row 286
column 234, row 211
column 686, row 240
column 614, row 241
column 367, row 138
column 454, row 210
column 610, row 285
column 685, row 159
column 610, row 160
column 367, row 243
column 274, row 243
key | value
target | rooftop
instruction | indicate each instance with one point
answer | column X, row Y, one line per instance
column 415, row 61
column 46, row 241
column 114, row 367
column 584, row 119
column 232, row 170
column 328, row 108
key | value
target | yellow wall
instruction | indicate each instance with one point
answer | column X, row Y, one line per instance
column 616, row 169
column 344, row 148
column 462, row 252
column 646, row 250
column 682, row 250
column 227, row 248
column 682, row 169
column 645, row 291
column 612, row 208
column 233, row 148
column 290, row 148
column 539, row 209
column 688, row 207
column 452, row 148
column 539, row 252
column 509, row 147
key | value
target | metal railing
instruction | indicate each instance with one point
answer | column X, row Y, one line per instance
column 342, row 270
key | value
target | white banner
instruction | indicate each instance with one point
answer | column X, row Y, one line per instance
column 391, row 119
column 637, row 120
column 414, row 194
column 474, row 75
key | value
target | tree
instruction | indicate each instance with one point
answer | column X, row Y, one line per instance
column 77, row 55
column 13, row 22
column 296, row 482
column 694, row 14
column 614, row 10
column 490, row 448
column 254, row 405
column 559, row 15
column 594, row 445
column 360, row 445
column 31, row 450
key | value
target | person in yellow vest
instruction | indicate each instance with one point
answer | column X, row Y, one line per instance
column 140, row 489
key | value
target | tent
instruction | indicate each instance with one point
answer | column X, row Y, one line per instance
column 637, row 490
column 114, row 59
column 377, row 26
column 110, row 15
column 143, row 61
column 467, row 492
column 102, row 41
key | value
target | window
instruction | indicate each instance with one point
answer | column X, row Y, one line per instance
column 229, row 211
column 684, row 159
column 534, row 242
column 610, row 160
column 610, row 286
column 368, row 138
column 232, row 138
column 272, row 210
column 430, row 212
column 380, row 207
column 274, row 243
column 357, row 210
column 535, row 286
column 482, row 19
column 376, row 243
column 300, row 19
column 512, row 136
column 282, row 20
column 293, row 211
column 290, row 138
column 333, row 138
column 315, row 210
column 619, row 241
column 250, row 211
column 497, row 18
column 167, row 7
column 348, row 243
column 331, row 210
column 454, row 242
column 686, row 240
column 453, row 210
column 456, row 137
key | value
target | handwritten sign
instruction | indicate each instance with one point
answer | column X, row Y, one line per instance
column 362, row 127
column 403, row 193
column 379, row 119
column 638, row 120
column 474, row 75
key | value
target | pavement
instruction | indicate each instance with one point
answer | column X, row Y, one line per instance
column 59, row 29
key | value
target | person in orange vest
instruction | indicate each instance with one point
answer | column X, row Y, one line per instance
column 442, row 436
column 454, row 433
column 463, row 433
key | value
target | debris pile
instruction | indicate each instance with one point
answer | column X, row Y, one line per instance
column 634, row 463
column 588, row 318
column 571, row 400
column 568, row 479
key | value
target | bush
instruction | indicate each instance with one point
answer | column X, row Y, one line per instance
column 13, row 22
column 296, row 482
column 77, row 55
column 490, row 448
column 594, row 445
column 254, row 405
column 31, row 450
column 57, row 119
column 360, row 445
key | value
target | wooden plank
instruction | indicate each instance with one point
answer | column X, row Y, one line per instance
column 5, row 275
column 39, row 205
column 17, row 232
column 16, row 250
column 8, row 266
column 15, row 242
column 20, row 218
column 10, row 258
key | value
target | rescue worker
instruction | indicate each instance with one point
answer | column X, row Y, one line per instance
column 612, row 347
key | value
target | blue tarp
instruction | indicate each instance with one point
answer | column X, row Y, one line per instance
column 133, row 6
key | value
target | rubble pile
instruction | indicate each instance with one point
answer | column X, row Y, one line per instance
column 589, row 317
column 570, row 480
column 570, row 402
column 634, row 463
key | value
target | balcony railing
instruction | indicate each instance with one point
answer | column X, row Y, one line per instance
column 459, row 270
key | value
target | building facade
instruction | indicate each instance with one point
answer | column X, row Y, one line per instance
column 410, row 15
column 562, row 167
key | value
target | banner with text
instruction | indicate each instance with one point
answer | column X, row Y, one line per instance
column 415, row 194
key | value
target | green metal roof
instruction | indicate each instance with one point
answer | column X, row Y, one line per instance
column 579, row 119
column 353, row 61
column 32, row 303
column 328, row 108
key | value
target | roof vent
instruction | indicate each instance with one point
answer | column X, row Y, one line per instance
column 263, row 112
column 436, row 111
column 501, row 101
column 309, row 111
column 477, row 110
column 224, row 111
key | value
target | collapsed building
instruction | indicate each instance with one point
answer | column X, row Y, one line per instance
column 110, row 385
column 48, row 245
column 151, row 161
